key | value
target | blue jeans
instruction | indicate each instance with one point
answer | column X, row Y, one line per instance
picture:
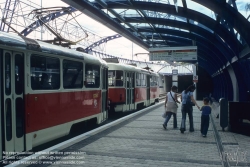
column 169, row 114
column 186, row 109
column 204, row 124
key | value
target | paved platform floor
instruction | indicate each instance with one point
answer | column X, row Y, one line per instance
column 141, row 141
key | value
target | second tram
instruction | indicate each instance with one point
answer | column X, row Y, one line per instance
column 131, row 88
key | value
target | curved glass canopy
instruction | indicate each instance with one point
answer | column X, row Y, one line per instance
column 219, row 28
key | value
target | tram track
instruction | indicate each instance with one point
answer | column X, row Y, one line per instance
column 162, row 97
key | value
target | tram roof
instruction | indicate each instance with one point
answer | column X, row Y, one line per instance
column 11, row 40
column 127, row 67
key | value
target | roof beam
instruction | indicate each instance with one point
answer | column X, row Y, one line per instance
column 232, row 41
column 231, row 15
column 104, row 4
column 212, row 45
column 183, row 25
column 95, row 13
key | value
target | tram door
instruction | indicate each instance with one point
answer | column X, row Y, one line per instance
column 13, row 103
column 130, row 86
column 148, row 90
column 104, row 94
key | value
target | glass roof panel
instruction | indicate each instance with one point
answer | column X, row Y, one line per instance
column 178, row 18
column 125, row 25
column 238, row 36
column 179, row 3
column 243, row 7
column 183, row 30
column 151, row 13
column 160, row 26
column 127, row 12
column 200, row 8
column 165, row 15
column 111, row 15
column 143, row 25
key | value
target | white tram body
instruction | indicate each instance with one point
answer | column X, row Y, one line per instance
column 45, row 89
column 131, row 88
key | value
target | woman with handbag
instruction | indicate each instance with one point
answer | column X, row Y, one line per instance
column 171, row 106
column 187, row 108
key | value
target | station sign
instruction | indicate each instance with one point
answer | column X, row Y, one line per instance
column 175, row 72
column 195, row 78
column 187, row 53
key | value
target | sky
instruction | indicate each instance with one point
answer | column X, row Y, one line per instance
column 122, row 47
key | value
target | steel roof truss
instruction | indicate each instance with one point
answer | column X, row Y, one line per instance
column 105, row 6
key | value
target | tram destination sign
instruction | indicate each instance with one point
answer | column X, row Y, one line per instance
column 186, row 53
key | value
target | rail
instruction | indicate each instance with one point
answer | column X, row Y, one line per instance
column 162, row 96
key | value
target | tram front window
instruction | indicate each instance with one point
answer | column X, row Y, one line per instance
column 115, row 78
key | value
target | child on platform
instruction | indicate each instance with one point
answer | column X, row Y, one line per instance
column 206, row 111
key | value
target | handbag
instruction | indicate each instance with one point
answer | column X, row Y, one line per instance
column 164, row 115
column 174, row 99
column 189, row 102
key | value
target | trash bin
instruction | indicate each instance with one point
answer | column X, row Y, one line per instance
column 223, row 113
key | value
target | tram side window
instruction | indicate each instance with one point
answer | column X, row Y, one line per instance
column 119, row 78
column 115, row 78
column 152, row 81
column 128, row 79
column 111, row 77
column 132, row 80
column 92, row 76
column 155, row 81
column 45, row 73
column 8, row 79
column 72, row 74
column 143, row 80
column 138, row 80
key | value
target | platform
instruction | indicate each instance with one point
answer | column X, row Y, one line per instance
column 139, row 140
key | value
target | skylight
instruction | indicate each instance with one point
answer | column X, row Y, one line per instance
column 201, row 9
column 243, row 7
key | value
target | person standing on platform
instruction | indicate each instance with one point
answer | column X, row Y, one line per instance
column 171, row 106
column 187, row 108
column 206, row 111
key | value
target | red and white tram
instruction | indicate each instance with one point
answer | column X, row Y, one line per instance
column 131, row 88
column 45, row 89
